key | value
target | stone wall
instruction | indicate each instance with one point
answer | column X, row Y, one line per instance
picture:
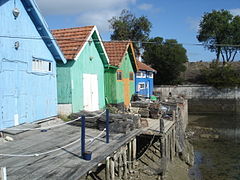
column 204, row 99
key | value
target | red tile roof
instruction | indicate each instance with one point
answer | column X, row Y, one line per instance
column 142, row 66
column 116, row 51
column 71, row 40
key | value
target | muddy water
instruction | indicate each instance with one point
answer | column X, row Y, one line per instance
column 216, row 157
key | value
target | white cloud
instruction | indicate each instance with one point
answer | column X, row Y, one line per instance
column 235, row 12
column 66, row 7
column 86, row 12
column 145, row 6
column 99, row 18
column 193, row 23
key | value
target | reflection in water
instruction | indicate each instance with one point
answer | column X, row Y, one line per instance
column 217, row 158
column 227, row 125
column 230, row 133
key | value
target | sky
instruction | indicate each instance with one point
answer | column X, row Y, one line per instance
column 171, row 19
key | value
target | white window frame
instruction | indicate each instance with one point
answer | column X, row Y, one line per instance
column 142, row 74
column 139, row 85
column 150, row 76
column 42, row 66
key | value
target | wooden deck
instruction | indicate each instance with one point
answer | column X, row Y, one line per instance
column 63, row 164
column 154, row 126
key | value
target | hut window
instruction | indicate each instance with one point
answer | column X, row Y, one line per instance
column 41, row 66
column 150, row 74
column 131, row 76
column 119, row 75
column 141, row 74
column 141, row 85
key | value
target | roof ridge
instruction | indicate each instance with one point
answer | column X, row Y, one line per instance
column 72, row 28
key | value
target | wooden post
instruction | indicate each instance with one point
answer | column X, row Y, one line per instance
column 3, row 173
column 134, row 148
column 130, row 156
column 166, row 147
column 162, row 146
column 173, row 136
column 107, row 169
column 161, row 125
column 120, row 164
column 112, row 169
column 174, row 115
column 171, row 146
column 125, row 163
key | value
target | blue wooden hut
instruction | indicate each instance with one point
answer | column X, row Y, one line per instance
column 28, row 56
column 144, row 80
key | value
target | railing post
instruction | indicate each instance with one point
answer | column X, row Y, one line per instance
column 83, row 135
column 161, row 125
column 107, row 125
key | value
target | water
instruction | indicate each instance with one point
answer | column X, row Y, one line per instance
column 216, row 158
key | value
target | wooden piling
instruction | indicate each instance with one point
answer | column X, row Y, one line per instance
column 130, row 156
column 125, row 171
column 171, row 146
column 162, row 147
column 166, row 147
column 134, row 148
column 174, row 141
column 112, row 169
column 120, row 164
column 107, row 169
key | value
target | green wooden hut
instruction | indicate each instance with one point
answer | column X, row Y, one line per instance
column 120, row 75
column 80, row 81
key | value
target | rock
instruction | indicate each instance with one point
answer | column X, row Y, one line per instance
column 209, row 136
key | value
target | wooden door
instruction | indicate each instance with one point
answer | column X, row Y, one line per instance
column 14, row 109
column 90, row 92
column 126, row 88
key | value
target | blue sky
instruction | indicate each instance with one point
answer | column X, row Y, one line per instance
column 171, row 19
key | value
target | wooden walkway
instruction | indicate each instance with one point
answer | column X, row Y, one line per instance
column 63, row 164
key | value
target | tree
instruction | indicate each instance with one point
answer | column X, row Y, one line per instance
column 167, row 57
column 220, row 76
column 220, row 33
column 129, row 27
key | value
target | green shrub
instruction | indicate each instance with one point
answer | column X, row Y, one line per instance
column 220, row 76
